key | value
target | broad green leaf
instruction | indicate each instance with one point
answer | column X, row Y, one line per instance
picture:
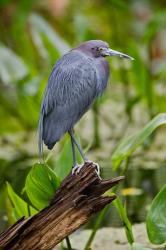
column 64, row 162
column 21, row 208
column 41, row 184
column 123, row 215
column 129, row 145
column 40, row 28
column 156, row 218
column 137, row 246
column 12, row 68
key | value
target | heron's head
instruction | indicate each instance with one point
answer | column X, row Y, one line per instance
column 98, row 48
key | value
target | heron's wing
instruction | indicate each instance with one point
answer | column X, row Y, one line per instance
column 70, row 91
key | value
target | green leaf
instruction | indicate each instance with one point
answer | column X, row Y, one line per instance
column 12, row 68
column 41, row 29
column 137, row 246
column 64, row 161
column 129, row 145
column 156, row 218
column 123, row 215
column 41, row 184
column 21, row 208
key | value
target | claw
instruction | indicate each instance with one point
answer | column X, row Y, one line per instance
column 97, row 167
column 76, row 169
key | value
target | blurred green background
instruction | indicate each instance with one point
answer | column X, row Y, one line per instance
column 33, row 35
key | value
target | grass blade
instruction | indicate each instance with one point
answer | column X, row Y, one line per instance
column 129, row 145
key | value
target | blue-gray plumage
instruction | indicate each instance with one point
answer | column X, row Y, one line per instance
column 76, row 80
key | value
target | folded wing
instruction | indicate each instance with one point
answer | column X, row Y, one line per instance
column 71, row 89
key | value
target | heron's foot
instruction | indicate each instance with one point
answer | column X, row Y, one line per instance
column 97, row 167
column 76, row 169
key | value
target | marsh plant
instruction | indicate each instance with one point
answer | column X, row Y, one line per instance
column 30, row 43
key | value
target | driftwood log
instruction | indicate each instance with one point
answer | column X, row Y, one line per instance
column 77, row 199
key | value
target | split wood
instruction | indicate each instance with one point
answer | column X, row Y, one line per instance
column 77, row 199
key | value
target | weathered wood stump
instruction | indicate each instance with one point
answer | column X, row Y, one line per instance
column 77, row 199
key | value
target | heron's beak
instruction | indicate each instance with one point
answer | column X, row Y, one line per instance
column 111, row 52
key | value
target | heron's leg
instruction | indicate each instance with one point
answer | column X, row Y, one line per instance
column 78, row 146
column 76, row 167
column 73, row 152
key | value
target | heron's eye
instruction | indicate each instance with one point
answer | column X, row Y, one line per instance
column 100, row 49
column 97, row 48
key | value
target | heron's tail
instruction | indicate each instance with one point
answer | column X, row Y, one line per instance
column 40, row 139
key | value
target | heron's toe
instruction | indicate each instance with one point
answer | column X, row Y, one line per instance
column 97, row 167
column 76, row 169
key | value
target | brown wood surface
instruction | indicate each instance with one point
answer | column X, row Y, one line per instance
column 77, row 199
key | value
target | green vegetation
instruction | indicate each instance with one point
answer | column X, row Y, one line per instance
column 123, row 132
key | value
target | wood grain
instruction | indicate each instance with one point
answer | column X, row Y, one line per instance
column 78, row 198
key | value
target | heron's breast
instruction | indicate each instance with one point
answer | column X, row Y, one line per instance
column 102, row 72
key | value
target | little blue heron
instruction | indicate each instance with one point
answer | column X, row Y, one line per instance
column 77, row 79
